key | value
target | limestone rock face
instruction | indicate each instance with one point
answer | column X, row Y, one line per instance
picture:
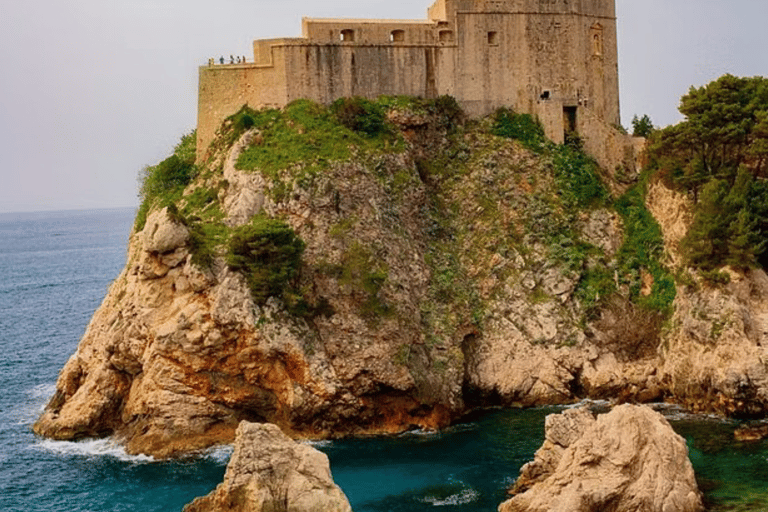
column 717, row 355
column 162, row 234
column 268, row 472
column 629, row 460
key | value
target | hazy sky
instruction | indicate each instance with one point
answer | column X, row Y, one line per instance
column 93, row 90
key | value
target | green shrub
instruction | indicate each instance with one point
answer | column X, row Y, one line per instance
column 642, row 248
column 642, row 126
column 366, row 274
column 360, row 115
column 522, row 127
column 163, row 184
column 576, row 175
column 716, row 277
column 204, row 238
column 447, row 111
column 595, row 287
column 268, row 252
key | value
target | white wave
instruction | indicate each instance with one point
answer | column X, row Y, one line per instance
column 317, row 443
column 592, row 404
column 460, row 498
column 38, row 397
column 420, row 433
column 437, row 433
column 91, row 448
column 219, row 454
column 42, row 392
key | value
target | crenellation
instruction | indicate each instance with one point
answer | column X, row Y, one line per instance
column 556, row 59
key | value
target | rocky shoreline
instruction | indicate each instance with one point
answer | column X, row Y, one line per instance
column 625, row 459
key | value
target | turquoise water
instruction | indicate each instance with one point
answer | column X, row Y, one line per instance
column 54, row 271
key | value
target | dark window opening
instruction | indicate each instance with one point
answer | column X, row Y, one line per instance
column 493, row 38
column 569, row 121
column 347, row 35
column 446, row 36
column 545, row 95
column 397, row 36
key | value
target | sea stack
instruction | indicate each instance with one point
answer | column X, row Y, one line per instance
column 628, row 460
column 269, row 472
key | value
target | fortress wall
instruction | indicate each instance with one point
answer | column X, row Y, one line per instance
column 224, row 89
column 611, row 148
column 328, row 72
column 369, row 31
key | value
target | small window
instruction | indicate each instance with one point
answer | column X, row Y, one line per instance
column 397, row 36
column 493, row 38
column 545, row 95
column 446, row 36
column 347, row 35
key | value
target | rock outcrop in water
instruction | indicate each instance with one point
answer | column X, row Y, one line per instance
column 628, row 460
column 443, row 268
column 268, row 472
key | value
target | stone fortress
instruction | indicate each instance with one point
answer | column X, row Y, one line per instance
column 555, row 59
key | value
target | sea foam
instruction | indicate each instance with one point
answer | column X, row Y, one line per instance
column 463, row 497
column 91, row 448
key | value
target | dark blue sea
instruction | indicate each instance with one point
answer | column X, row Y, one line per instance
column 55, row 268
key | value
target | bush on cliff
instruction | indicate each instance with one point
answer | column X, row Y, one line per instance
column 268, row 252
column 360, row 115
column 523, row 127
column 162, row 184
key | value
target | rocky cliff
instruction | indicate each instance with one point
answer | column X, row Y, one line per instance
column 441, row 266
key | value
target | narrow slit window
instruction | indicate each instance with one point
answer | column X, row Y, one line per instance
column 493, row 38
column 347, row 35
column 397, row 36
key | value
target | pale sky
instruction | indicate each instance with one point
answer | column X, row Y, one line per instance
column 93, row 90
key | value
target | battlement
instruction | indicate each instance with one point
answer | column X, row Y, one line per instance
column 555, row 59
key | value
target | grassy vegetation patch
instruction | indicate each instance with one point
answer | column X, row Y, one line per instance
column 522, row 127
column 311, row 136
column 365, row 273
column 164, row 183
column 642, row 249
column 577, row 177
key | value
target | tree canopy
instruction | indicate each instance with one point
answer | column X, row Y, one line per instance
column 719, row 155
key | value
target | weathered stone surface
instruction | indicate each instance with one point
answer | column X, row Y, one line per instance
column 717, row 355
column 628, row 460
column 268, row 472
column 161, row 234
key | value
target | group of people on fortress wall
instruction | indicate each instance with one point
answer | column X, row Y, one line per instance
column 232, row 60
